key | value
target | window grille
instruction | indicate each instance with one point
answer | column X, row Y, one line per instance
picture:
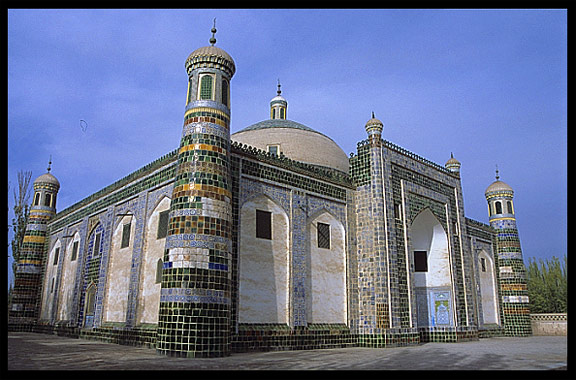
column 206, row 87
column 162, row 225
column 323, row 235
column 126, row 235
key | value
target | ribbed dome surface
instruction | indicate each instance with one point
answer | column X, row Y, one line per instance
column 47, row 178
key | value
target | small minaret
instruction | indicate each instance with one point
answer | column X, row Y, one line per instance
column 374, row 129
column 453, row 164
column 512, row 271
column 278, row 105
column 29, row 268
column 194, row 316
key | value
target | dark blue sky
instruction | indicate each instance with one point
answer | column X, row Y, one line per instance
column 488, row 85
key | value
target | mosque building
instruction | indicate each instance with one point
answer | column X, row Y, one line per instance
column 271, row 238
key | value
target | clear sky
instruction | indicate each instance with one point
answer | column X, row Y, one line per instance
column 488, row 85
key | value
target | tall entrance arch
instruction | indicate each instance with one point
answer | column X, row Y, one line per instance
column 431, row 270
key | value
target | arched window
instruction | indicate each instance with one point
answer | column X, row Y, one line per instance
column 498, row 206
column 47, row 199
column 282, row 113
column 159, row 267
column 225, row 92
column 206, row 83
column 509, row 207
column 36, row 199
column 189, row 99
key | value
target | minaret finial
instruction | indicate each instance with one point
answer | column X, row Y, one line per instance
column 497, row 173
column 373, row 115
column 279, row 91
column 213, row 39
column 50, row 164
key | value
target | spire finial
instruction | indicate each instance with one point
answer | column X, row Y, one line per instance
column 373, row 115
column 213, row 39
column 451, row 155
column 50, row 164
column 279, row 91
column 497, row 173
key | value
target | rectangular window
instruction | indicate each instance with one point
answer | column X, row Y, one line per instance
column 162, row 225
column 323, row 235
column 126, row 235
column 74, row 251
column 263, row 224
column 483, row 264
column 96, row 247
column 420, row 261
column 274, row 150
column 56, row 254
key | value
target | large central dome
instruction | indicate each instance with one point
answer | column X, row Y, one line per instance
column 294, row 140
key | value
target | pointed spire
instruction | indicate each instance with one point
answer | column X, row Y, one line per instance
column 213, row 39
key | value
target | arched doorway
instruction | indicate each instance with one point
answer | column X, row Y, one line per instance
column 432, row 273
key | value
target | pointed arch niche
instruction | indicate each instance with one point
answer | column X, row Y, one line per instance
column 152, row 264
column 326, row 277
column 119, row 265
column 263, row 262
column 431, row 270
column 488, row 288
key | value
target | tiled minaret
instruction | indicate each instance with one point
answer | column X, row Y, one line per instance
column 194, row 316
column 512, row 272
column 27, row 291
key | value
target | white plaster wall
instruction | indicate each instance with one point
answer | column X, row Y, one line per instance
column 149, row 294
column 427, row 234
column 118, row 281
column 488, row 289
column 263, row 266
column 69, row 267
column 327, row 274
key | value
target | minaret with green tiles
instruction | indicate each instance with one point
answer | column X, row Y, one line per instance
column 512, row 271
column 27, row 293
column 194, row 316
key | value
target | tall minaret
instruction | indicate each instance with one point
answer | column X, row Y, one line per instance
column 512, row 275
column 29, row 267
column 194, row 316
